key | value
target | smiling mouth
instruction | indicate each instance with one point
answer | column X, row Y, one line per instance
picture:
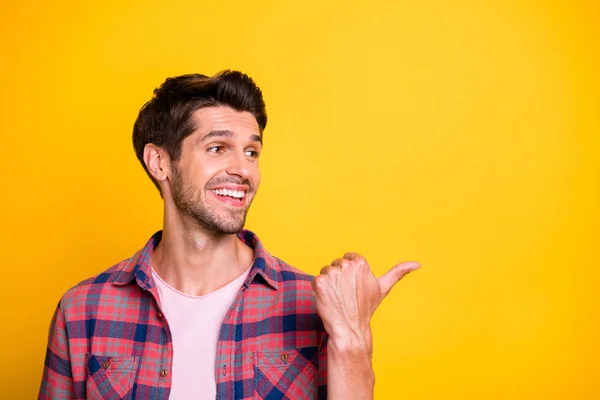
column 230, row 196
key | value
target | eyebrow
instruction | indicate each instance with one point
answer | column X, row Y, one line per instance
column 227, row 133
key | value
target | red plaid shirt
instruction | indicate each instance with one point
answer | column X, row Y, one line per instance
column 108, row 338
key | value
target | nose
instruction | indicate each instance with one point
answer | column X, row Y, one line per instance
column 239, row 164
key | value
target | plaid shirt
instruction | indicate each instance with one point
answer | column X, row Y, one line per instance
column 109, row 340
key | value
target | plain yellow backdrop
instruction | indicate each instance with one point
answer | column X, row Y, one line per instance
column 462, row 134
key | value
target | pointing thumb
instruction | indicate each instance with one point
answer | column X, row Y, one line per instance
column 390, row 278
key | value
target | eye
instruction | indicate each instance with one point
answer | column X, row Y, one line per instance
column 251, row 153
column 215, row 149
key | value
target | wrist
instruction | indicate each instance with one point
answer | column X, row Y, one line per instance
column 354, row 355
column 350, row 342
column 349, row 364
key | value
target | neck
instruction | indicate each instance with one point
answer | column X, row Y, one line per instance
column 195, row 261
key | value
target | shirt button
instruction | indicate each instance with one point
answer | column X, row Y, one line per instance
column 284, row 357
column 160, row 315
column 106, row 364
column 163, row 372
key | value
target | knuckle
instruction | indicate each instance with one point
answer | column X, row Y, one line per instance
column 363, row 263
column 319, row 281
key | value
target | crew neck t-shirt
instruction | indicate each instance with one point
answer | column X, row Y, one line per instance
column 195, row 323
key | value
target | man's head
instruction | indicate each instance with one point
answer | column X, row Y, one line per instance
column 199, row 139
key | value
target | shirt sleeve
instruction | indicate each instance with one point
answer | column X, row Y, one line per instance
column 57, row 381
column 322, row 373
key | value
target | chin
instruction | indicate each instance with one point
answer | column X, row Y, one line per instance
column 229, row 231
column 228, row 228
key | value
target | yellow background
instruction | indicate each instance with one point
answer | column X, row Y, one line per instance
column 462, row 134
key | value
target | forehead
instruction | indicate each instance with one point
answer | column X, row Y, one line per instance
column 209, row 119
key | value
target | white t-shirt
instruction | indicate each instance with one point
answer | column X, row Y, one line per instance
column 195, row 323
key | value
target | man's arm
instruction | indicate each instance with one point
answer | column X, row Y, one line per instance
column 347, row 294
column 57, row 382
column 349, row 369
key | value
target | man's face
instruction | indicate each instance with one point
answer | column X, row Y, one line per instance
column 217, row 175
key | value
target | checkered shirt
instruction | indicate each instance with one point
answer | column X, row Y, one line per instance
column 109, row 340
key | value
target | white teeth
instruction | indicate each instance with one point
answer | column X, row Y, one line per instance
column 238, row 194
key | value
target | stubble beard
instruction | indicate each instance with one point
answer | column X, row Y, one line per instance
column 191, row 203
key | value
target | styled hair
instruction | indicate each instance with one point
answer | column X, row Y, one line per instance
column 167, row 118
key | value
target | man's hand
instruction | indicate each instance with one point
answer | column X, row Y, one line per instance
column 348, row 293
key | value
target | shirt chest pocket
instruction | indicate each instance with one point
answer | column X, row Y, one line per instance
column 285, row 374
column 110, row 377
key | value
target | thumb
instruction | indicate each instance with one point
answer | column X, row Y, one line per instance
column 390, row 278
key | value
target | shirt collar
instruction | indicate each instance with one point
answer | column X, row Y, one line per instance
column 138, row 267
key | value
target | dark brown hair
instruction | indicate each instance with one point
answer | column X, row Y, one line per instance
column 167, row 119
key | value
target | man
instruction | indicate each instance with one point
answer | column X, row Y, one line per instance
column 203, row 310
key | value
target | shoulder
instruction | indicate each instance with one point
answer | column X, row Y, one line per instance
column 90, row 290
column 286, row 272
column 294, row 283
column 277, row 272
column 111, row 286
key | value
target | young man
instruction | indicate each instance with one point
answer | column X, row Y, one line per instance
column 203, row 310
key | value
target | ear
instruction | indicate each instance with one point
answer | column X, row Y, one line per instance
column 158, row 162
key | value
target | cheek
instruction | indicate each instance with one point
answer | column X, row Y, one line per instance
column 203, row 174
column 256, row 179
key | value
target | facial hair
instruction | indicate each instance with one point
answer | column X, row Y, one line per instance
column 191, row 202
